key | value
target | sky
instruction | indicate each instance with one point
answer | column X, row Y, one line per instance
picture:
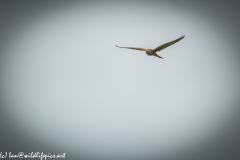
column 66, row 88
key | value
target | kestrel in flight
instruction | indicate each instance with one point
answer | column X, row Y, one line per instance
column 152, row 52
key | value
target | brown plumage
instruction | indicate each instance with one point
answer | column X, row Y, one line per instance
column 152, row 52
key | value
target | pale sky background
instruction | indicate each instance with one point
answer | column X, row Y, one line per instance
column 68, row 86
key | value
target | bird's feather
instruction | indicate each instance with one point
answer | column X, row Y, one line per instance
column 135, row 48
column 159, row 48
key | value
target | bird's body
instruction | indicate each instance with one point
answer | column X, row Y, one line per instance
column 153, row 52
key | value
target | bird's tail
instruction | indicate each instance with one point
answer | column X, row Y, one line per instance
column 158, row 55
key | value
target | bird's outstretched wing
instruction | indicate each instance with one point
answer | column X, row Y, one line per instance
column 159, row 48
column 135, row 48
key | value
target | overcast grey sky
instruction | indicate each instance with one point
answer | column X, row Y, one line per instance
column 65, row 84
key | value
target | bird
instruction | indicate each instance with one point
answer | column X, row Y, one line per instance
column 152, row 52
